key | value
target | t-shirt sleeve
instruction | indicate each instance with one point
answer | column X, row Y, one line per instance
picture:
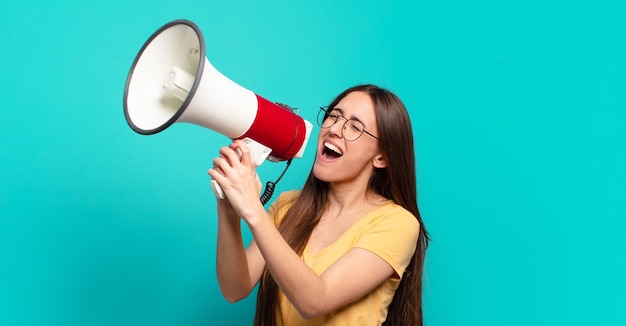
column 392, row 235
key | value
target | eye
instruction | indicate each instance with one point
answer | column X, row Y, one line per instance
column 333, row 114
column 356, row 126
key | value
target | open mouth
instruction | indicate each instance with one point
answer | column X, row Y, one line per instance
column 331, row 151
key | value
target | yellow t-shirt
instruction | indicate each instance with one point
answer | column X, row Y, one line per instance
column 389, row 231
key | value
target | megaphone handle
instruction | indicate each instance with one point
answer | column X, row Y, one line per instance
column 217, row 190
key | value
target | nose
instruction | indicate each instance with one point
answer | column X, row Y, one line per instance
column 337, row 128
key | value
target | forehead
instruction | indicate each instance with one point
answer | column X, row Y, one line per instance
column 357, row 104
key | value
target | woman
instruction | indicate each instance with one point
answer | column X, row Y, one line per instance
column 348, row 249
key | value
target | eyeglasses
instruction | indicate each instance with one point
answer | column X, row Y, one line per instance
column 351, row 129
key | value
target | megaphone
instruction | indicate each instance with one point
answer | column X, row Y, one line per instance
column 171, row 80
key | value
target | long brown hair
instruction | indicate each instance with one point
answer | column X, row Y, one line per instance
column 396, row 182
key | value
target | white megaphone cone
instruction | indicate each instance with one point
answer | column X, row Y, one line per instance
column 171, row 80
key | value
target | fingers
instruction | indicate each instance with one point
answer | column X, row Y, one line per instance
column 234, row 167
column 234, row 157
column 236, row 152
column 230, row 153
column 243, row 151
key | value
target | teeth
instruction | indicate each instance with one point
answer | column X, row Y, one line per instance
column 333, row 148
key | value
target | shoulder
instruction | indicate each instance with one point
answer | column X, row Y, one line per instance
column 289, row 196
column 394, row 216
column 285, row 199
column 282, row 204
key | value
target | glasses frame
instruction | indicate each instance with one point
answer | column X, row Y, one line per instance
column 325, row 110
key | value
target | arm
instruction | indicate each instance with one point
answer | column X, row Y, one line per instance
column 311, row 294
column 238, row 269
column 355, row 274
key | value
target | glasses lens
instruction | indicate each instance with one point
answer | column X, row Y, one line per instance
column 321, row 116
column 352, row 130
column 325, row 119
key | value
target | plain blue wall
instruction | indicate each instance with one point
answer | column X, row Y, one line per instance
column 518, row 113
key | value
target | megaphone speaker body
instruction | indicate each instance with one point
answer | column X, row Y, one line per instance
column 171, row 80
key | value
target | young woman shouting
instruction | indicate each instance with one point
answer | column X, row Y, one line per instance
column 346, row 249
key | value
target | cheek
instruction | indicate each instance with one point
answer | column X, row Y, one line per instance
column 361, row 152
column 322, row 134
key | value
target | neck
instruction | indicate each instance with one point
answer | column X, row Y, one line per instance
column 347, row 197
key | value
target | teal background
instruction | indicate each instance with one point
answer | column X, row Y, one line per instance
column 518, row 114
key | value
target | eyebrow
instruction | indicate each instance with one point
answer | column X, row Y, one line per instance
column 350, row 118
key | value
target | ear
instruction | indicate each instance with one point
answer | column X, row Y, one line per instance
column 379, row 162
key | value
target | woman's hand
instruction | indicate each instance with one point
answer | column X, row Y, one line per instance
column 236, row 174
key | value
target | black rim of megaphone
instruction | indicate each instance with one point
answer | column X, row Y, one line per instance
column 192, row 92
